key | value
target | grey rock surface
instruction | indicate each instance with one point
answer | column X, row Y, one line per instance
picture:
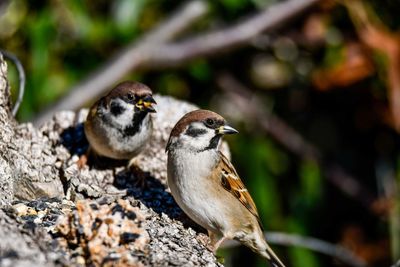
column 6, row 134
column 27, row 166
column 19, row 247
column 40, row 183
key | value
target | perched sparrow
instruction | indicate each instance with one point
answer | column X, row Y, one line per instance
column 118, row 125
column 206, row 186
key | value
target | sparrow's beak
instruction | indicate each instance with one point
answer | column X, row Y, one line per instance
column 226, row 129
column 146, row 104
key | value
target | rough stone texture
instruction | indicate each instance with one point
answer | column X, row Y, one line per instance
column 6, row 134
column 19, row 247
column 41, row 184
column 36, row 173
column 26, row 162
column 168, row 235
column 103, row 235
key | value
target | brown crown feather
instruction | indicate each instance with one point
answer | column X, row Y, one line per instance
column 126, row 87
column 194, row 116
column 188, row 118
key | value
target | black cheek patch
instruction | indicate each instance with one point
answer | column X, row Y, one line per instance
column 194, row 132
column 116, row 109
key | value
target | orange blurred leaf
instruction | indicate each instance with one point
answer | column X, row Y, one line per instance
column 355, row 66
column 354, row 239
column 377, row 37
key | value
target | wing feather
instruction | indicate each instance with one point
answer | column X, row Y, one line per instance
column 231, row 181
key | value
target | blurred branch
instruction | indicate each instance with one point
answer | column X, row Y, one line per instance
column 249, row 105
column 21, row 78
column 314, row 244
column 225, row 40
column 129, row 59
column 153, row 51
column 397, row 264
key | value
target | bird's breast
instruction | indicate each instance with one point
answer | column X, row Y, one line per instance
column 111, row 141
column 192, row 190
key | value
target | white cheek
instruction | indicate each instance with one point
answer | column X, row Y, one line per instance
column 199, row 142
column 126, row 117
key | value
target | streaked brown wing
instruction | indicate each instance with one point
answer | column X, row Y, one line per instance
column 231, row 181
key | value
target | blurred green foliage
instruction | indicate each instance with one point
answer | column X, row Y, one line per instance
column 61, row 42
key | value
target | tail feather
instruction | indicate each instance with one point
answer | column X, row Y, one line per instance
column 257, row 242
column 272, row 258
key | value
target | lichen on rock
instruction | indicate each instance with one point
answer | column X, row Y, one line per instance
column 103, row 234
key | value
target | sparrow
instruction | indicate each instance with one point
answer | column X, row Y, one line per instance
column 207, row 187
column 118, row 125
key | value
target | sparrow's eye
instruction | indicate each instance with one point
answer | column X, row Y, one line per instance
column 210, row 122
column 130, row 97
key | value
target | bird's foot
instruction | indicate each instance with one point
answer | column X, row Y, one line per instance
column 140, row 176
column 82, row 161
column 204, row 240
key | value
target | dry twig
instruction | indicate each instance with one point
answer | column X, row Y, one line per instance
column 397, row 264
column 311, row 243
column 21, row 78
column 225, row 40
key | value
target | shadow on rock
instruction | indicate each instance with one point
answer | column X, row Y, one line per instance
column 74, row 139
column 153, row 195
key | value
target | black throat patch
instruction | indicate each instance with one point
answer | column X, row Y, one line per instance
column 137, row 123
column 213, row 143
column 129, row 130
